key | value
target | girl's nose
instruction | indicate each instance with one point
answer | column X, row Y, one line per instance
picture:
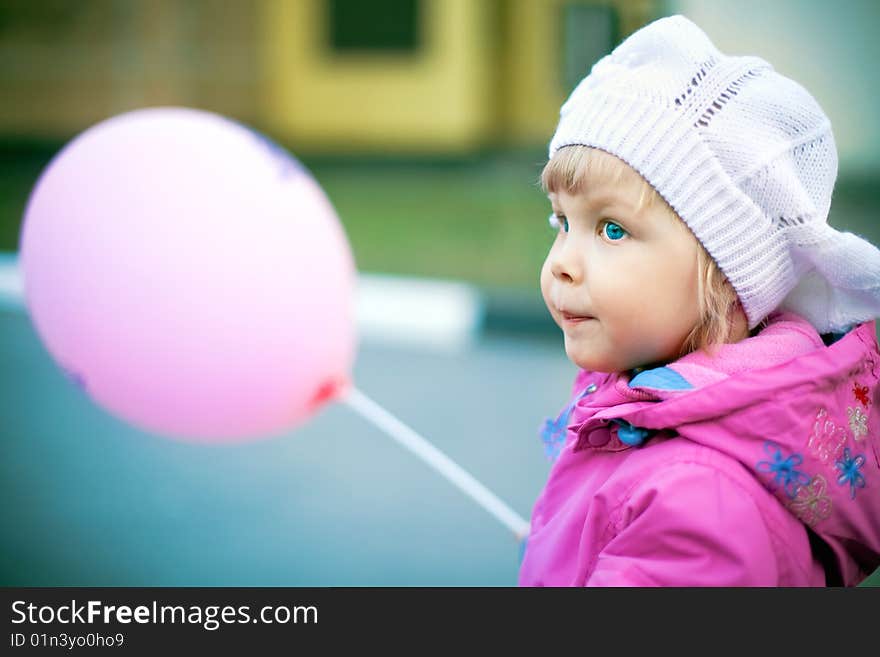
column 560, row 273
column 565, row 265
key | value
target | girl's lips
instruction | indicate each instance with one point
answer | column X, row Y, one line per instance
column 568, row 317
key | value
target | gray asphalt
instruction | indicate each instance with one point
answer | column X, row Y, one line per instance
column 90, row 501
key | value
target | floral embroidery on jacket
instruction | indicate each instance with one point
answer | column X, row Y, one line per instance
column 858, row 422
column 861, row 394
column 784, row 469
column 812, row 503
column 827, row 440
column 850, row 467
column 554, row 432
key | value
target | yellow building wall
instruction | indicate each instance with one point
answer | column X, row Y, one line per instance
column 69, row 65
column 438, row 98
column 487, row 73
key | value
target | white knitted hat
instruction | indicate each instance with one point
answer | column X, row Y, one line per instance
column 746, row 158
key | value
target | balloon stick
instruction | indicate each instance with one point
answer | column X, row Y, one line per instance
column 419, row 446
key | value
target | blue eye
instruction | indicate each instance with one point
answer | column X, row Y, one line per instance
column 558, row 221
column 612, row 231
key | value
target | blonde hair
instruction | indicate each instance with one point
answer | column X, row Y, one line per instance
column 569, row 170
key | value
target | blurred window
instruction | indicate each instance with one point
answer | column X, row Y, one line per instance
column 589, row 32
column 374, row 26
column 39, row 22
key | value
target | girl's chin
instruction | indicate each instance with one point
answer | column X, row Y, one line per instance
column 591, row 362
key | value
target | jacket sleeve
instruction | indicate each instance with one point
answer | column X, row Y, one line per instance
column 688, row 524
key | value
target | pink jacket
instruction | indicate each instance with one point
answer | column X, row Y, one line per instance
column 759, row 466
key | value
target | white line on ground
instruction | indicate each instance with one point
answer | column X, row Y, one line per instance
column 424, row 313
column 11, row 282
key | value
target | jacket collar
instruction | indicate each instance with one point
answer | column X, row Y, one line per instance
column 612, row 417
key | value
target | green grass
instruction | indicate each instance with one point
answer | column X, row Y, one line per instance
column 482, row 221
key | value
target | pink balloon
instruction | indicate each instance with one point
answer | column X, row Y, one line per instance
column 190, row 275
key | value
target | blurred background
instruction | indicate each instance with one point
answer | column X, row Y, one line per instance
column 426, row 122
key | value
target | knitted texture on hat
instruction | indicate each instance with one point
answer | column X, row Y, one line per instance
column 744, row 155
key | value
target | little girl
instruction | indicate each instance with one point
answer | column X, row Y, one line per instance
column 724, row 427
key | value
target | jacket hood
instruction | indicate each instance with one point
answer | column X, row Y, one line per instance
column 802, row 415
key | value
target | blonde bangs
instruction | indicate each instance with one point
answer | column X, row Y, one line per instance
column 572, row 169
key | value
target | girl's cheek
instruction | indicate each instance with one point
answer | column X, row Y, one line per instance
column 545, row 281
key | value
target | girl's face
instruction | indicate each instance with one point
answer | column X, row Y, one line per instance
column 621, row 284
